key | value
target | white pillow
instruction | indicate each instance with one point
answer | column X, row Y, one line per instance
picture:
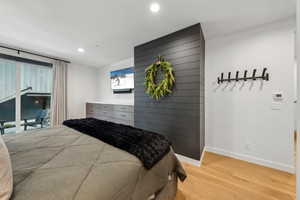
column 6, row 178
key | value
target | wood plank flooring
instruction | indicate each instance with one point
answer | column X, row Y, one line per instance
column 224, row 178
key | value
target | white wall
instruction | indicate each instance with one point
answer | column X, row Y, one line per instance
column 82, row 87
column 240, row 118
column 105, row 92
column 298, row 102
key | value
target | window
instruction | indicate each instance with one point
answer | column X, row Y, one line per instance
column 25, row 94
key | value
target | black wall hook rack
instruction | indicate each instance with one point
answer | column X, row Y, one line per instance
column 264, row 76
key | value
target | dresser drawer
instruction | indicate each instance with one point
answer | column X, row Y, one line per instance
column 89, row 108
column 107, row 113
column 123, row 115
column 123, row 108
column 124, row 122
column 104, row 107
column 104, row 118
column 90, row 115
column 104, row 114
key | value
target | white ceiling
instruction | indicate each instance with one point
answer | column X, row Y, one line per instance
column 109, row 29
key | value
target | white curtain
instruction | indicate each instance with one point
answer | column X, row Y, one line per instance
column 59, row 93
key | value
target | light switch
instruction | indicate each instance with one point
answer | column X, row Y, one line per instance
column 277, row 96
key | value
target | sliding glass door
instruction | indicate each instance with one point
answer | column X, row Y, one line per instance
column 25, row 95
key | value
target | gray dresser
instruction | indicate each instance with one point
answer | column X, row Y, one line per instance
column 121, row 114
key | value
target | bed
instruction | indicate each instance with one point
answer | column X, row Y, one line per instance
column 63, row 163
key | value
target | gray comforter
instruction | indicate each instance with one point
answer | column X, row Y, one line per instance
column 64, row 164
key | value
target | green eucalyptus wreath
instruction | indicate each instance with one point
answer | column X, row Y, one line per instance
column 164, row 87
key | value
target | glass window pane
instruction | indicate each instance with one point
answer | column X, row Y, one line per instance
column 36, row 87
column 7, row 95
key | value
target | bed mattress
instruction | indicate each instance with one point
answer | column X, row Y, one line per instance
column 63, row 164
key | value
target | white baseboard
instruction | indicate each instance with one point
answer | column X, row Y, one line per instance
column 188, row 160
column 252, row 159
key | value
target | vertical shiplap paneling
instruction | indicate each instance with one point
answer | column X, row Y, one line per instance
column 180, row 116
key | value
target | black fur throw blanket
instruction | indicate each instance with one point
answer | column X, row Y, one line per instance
column 149, row 147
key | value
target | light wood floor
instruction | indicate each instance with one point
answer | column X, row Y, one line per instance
column 223, row 178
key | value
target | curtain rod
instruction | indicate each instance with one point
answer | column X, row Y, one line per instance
column 35, row 54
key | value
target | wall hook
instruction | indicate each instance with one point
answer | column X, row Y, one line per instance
column 222, row 77
column 253, row 75
column 245, row 75
column 237, row 76
column 265, row 76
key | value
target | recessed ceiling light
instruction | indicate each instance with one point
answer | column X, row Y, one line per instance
column 81, row 50
column 154, row 7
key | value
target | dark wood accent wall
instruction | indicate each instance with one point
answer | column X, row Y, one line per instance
column 180, row 116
